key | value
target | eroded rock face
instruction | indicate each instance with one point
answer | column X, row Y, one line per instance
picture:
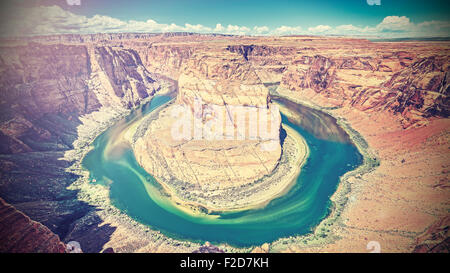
column 316, row 72
column 221, row 80
column 38, row 81
column 129, row 79
column 47, row 92
column 435, row 239
column 47, row 87
column 19, row 234
column 166, row 59
column 423, row 87
column 415, row 88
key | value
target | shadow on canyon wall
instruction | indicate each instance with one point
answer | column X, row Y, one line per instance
column 318, row 123
column 36, row 183
column 44, row 89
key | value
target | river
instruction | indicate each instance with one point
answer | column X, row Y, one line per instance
column 136, row 193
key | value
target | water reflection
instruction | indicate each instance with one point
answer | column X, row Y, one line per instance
column 318, row 123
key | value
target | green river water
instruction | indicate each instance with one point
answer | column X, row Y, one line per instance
column 135, row 192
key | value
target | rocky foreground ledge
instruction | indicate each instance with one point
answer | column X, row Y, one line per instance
column 20, row 234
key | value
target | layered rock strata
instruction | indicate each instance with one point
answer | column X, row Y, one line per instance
column 19, row 234
column 49, row 92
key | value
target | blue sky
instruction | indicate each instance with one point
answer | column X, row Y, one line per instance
column 399, row 18
column 262, row 12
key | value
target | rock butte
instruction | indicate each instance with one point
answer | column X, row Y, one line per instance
column 59, row 92
column 208, row 165
column 202, row 161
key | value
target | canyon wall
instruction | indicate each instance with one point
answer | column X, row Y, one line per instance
column 407, row 79
column 417, row 92
column 45, row 88
column 47, row 92
column 19, row 234
column 388, row 91
column 372, row 77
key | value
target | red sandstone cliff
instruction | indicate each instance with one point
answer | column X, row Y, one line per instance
column 46, row 87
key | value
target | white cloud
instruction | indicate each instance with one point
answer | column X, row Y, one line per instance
column 219, row 28
column 260, row 30
column 237, row 30
column 396, row 23
column 233, row 29
column 55, row 20
column 197, row 28
column 402, row 26
column 286, row 30
column 319, row 29
column 346, row 28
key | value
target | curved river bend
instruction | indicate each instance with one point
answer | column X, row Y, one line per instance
column 135, row 192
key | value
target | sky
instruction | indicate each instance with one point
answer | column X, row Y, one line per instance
column 381, row 18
